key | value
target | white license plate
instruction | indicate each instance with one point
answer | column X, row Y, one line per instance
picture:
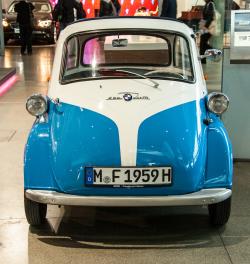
column 96, row 176
column 17, row 30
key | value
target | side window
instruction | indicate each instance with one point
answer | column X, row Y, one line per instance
column 72, row 53
column 181, row 57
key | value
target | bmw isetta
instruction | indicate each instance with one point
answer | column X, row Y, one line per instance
column 127, row 121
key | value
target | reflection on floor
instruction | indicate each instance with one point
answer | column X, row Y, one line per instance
column 103, row 235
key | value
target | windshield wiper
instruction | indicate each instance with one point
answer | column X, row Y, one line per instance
column 175, row 75
column 156, row 84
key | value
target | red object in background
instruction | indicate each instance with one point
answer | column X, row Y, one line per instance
column 53, row 2
column 89, row 6
column 128, row 7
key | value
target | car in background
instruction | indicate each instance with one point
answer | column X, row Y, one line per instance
column 44, row 27
column 127, row 121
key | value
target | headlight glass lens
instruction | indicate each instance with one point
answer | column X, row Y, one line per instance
column 36, row 105
column 44, row 23
column 5, row 23
column 217, row 103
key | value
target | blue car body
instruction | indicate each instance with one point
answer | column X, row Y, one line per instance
column 83, row 129
column 199, row 160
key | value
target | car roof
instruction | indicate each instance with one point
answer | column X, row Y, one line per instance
column 32, row 1
column 140, row 23
column 47, row 1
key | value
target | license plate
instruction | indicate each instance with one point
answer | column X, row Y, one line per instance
column 17, row 30
column 119, row 177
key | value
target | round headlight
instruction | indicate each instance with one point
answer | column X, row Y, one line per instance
column 36, row 105
column 44, row 23
column 217, row 103
column 5, row 23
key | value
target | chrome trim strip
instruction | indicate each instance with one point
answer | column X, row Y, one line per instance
column 202, row 197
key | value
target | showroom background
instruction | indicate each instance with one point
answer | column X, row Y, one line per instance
column 129, row 6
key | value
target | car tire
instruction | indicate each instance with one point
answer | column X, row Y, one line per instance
column 219, row 213
column 35, row 212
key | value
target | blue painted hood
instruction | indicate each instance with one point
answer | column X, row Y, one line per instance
column 80, row 138
column 175, row 137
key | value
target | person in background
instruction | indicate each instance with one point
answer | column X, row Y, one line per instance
column 142, row 11
column 169, row 9
column 159, row 7
column 117, row 7
column 25, row 20
column 64, row 12
column 108, row 8
column 208, row 16
column 80, row 12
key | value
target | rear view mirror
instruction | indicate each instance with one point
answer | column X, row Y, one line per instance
column 116, row 43
column 3, row 11
column 214, row 55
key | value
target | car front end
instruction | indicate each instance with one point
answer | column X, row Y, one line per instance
column 44, row 27
column 127, row 122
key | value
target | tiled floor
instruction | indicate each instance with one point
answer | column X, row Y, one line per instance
column 103, row 235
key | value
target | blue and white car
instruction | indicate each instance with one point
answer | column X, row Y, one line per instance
column 128, row 122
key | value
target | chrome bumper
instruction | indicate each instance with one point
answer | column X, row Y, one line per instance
column 203, row 197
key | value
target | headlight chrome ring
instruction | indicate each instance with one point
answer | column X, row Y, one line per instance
column 217, row 103
column 37, row 105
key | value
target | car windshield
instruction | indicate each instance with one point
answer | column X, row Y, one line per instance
column 40, row 7
column 127, row 54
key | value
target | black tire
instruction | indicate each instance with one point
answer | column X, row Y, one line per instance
column 35, row 212
column 219, row 213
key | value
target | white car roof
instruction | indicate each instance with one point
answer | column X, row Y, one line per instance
column 153, row 23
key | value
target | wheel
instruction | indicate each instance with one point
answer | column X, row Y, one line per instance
column 35, row 212
column 219, row 213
